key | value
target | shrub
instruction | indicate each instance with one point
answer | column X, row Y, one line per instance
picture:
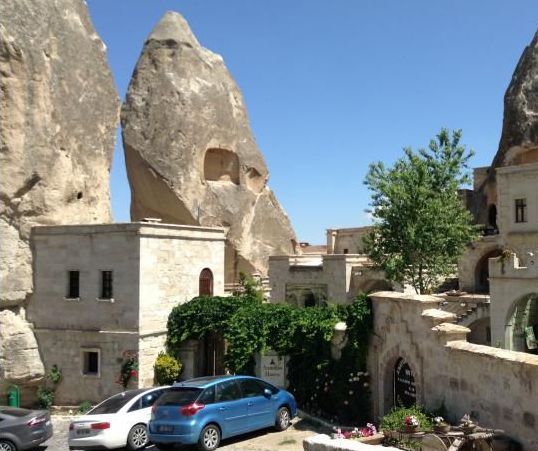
column 45, row 397
column 395, row 419
column 166, row 369
column 337, row 390
column 55, row 375
column 84, row 407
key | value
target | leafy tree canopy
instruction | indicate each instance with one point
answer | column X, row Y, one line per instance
column 420, row 223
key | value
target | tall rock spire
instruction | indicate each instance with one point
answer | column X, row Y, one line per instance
column 191, row 157
column 520, row 122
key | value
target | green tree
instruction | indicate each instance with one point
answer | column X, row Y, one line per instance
column 420, row 223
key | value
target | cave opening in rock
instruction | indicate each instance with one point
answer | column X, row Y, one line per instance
column 221, row 165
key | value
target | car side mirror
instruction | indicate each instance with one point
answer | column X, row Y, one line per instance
column 267, row 393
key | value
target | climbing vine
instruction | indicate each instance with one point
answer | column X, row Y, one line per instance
column 336, row 389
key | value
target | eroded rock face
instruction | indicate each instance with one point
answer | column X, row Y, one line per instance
column 19, row 355
column 58, row 115
column 191, row 157
column 520, row 122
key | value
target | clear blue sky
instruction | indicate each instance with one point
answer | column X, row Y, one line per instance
column 332, row 85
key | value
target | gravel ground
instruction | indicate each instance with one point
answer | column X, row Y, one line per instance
column 264, row 440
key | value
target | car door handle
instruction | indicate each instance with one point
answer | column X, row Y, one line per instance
column 222, row 409
column 250, row 404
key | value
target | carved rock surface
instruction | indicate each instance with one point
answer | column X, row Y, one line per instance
column 191, row 157
column 19, row 356
column 58, row 115
column 520, row 123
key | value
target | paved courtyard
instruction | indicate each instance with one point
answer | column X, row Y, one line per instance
column 264, row 440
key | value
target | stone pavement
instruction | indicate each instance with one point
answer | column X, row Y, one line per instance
column 264, row 440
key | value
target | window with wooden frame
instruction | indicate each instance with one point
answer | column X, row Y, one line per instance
column 205, row 283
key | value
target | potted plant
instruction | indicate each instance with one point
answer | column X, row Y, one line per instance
column 440, row 425
column 411, row 424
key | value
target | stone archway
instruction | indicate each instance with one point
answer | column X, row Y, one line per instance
column 521, row 327
column 395, row 358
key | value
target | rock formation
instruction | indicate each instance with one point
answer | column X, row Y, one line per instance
column 19, row 356
column 58, row 115
column 520, row 122
column 519, row 138
column 191, row 157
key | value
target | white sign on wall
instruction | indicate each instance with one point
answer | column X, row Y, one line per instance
column 273, row 369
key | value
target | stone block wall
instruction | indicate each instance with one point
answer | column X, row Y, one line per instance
column 63, row 348
column 89, row 250
column 495, row 385
column 171, row 260
column 333, row 271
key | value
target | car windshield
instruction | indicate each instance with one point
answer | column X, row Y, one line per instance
column 14, row 412
column 179, row 396
column 112, row 405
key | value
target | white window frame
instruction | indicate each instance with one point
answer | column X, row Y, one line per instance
column 84, row 350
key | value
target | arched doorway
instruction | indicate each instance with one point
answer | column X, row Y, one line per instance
column 205, row 283
column 405, row 392
column 522, row 325
column 482, row 271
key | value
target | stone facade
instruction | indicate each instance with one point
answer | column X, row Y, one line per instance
column 323, row 278
column 154, row 267
column 494, row 385
column 346, row 241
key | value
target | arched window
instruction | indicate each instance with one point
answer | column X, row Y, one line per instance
column 205, row 284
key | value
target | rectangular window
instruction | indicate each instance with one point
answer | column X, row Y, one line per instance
column 73, row 290
column 90, row 362
column 521, row 210
column 106, row 285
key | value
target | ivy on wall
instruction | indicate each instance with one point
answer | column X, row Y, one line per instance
column 335, row 389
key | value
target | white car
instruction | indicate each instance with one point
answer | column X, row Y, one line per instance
column 118, row 421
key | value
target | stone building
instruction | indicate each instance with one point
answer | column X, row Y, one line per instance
column 104, row 292
column 336, row 276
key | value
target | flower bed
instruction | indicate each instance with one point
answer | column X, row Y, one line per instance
column 356, row 433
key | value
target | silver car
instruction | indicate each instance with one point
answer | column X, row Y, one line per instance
column 23, row 429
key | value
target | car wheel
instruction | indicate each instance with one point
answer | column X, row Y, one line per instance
column 283, row 419
column 137, row 438
column 209, row 438
column 6, row 445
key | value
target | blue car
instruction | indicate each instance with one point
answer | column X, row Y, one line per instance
column 205, row 410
